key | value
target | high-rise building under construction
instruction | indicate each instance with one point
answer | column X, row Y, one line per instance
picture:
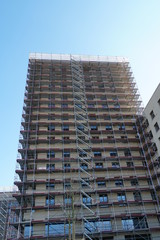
column 86, row 166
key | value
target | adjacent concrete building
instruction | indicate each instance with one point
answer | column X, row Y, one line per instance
column 152, row 113
column 85, row 164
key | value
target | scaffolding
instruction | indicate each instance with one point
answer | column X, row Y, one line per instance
column 86, row 169
column 3, row 214
column 7, row 217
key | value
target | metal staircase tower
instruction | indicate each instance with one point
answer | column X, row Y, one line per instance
column 84, row 149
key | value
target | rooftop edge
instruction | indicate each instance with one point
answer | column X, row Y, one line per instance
column 67, row 57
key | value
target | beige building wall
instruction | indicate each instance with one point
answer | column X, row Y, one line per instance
column 152, row 113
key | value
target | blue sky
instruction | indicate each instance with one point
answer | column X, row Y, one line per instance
column 128, row 28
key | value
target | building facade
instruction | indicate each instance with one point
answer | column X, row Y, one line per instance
column 84, row 161
column 152, row 113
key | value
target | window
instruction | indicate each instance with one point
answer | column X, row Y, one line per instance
column 121, row 197
column 68, row 200
column 50, row 185
column 51, row 85
column 101, row 85
column 101, row 184
column 115, row 164
column 66, row 138
column 52, row 97
column 152, row 114
column 99, row 165
column 65, row 127
column 67, row 166
column 84, row 166
column 137, row 196
column 90, row 105
column 89, row 85
column 104, row 106
column 84, row 182
column 94, row 127
column 116, row 105
column 134, row 182
column 65, row 117
column 156, row 126
column 159, row 101
column 154, row 147
column 57, row 229
column 103, row 97
column 150, row 135
column 51, row 138
column 134, row 127
column 103, row 198
column 97, row 154
column 119, row 117
column 127, row 153
column 127, row 224
column 51, row 154
column 66, row 154
column 64, row 105
column 50, row 167
column 51, row 105
column 51, row 127
column 95, row 137
column 107, row 117
column 146, row 123
column 140, row 223
column 119, row 183
column 110, row 137
column 80, row 127
column 90, row 97
column 28, row 231
column 121, row 127
column 82, row 137
column 51, row 117
column 31, row 154
column 112, row 88
column 65, row 97
column 124, row 137
column 108, row 127
column 67, row 185
column 82, row 154
column 98, row 226
column 50, row 201
column 113, row 153
column 129, row 164
column 92, row 117
column 135, row 223
column 87, row 200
